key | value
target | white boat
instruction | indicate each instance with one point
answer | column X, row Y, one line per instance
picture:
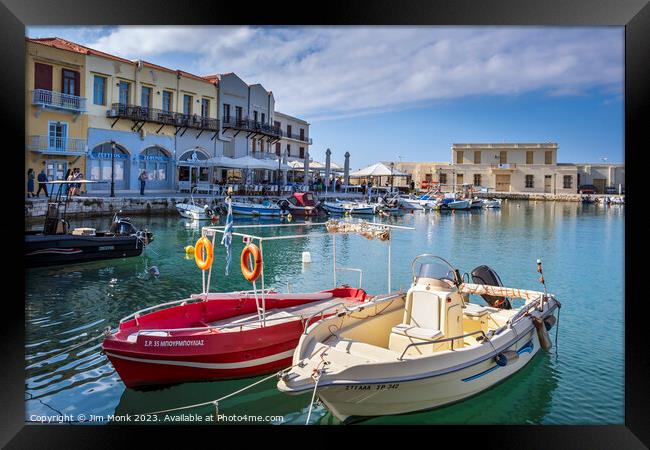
column 422, row 349
column 458, row 204
column 340, row 207
column 476, row 203
column 492, row 203
column 193, row 211
column 266, row 208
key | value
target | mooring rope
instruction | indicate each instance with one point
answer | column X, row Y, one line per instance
column 106, row 332
column 215, row 402
column 313, row 396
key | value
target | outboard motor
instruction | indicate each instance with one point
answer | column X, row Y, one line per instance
column 122, row 226
column 208, row 211
column 487, row 276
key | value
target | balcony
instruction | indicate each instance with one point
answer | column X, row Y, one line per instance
column 504, row 166
column 59, row 101
column 50, row 145
column 142, row 114
column 252, row 128
column 297, row 137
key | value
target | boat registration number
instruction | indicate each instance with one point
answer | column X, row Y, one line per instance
column 372, row 387
column 106, row 247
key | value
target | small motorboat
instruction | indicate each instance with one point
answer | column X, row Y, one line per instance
column 57, row 244
column 212, row 336
column 266, row 208
column 492, row 203
column 423, row 349
column 300, row 204
column 191, row 210
column 342, row 207
column 587, row 199
column 476, row 203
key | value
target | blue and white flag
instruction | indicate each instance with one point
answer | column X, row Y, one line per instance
column 226, row 240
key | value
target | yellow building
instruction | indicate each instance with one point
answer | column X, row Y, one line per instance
column 56, row 120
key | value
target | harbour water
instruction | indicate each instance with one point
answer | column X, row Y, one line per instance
column 581, row 381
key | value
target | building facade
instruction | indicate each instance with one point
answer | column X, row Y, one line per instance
column 56, row 118
column 512, row 167
column 295, row 139
column 114, row 118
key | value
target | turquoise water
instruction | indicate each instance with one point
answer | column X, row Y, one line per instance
column 579, row 382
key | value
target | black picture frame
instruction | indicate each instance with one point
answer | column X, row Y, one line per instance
column 634, row 15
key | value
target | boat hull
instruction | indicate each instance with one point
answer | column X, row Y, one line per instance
column 400, row 397
column 48, row 250
column 256, row 210
column 191, row 212
column 208, row 340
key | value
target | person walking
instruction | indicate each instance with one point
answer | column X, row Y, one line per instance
column 30, row 183
column 42, row 179
column 143, row 180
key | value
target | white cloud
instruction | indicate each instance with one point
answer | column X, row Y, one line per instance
column 323, row 72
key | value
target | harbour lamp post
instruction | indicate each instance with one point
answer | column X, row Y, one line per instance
column 392, row 166
column 112, row 168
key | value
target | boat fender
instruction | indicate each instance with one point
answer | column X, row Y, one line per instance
column 289, row 217
column 542, row 334
column 507, row 357
column 549, row 322
column 203, row 244
column 189, row 250
column 253, row 273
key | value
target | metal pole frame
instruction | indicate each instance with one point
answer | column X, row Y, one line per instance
column 112, row 169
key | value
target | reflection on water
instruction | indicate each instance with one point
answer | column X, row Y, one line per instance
column 581, row 247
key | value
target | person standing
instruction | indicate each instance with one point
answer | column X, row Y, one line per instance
column 42, row 179
column 78, row 176
column 30, row 183
column 69, row 188
column 143, row 180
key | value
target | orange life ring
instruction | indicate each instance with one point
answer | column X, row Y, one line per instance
column 254, row 251
column 201, row 244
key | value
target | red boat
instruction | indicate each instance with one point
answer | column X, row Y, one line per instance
column 229, row 335
column 301, row 204
column 220, row 336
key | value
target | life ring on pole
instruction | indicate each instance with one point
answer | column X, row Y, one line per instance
column 201, row 244
column 254, row 251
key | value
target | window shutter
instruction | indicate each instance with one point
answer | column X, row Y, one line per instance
column 76, row 84
column 42, row 76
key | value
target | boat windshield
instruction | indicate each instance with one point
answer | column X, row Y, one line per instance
column 436, row 270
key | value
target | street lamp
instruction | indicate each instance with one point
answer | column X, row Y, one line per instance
column 392, row 166
column 112, row 168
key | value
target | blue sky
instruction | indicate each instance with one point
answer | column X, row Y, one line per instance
column 410, row 92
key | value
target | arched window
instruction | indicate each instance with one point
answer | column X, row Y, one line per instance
column 100, row 165
column 189, row 165
column 156, row 161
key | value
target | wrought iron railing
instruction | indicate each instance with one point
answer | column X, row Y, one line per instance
column 55, row 144
column 58, row 100
column 176, row 119
column 298, row 137
column 251, row 125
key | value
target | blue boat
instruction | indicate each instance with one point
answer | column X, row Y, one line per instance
column 266, row 208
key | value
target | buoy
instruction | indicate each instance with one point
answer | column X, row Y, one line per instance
column 507, row 357
column 542, row 334
column 153, row 271
column 306, row 257
column 189, row 250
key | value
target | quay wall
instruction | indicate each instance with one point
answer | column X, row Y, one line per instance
column 535, row 196
column 87, row 206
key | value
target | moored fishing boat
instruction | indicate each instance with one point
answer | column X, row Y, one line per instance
column 492, row 203
column 266, row 208
column 342, row 207
column 300, row 204
column 191, row 210
column 212, row 336
column 57, row 244
column 423, row 349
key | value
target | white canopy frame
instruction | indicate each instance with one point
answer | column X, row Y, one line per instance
column 211, row 232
